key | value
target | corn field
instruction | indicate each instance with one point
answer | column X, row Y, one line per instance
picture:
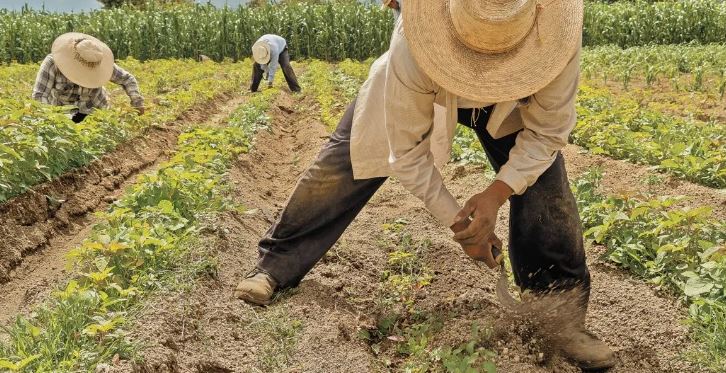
column 331, row 32
column 685, row 67
column 628, row 24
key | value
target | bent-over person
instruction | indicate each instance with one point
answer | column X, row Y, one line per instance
column 269, row 53
column 507, row 69
column 75, row 72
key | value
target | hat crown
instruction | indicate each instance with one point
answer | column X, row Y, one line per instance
column 261, row 52
column 492, row 26
column 89, row 51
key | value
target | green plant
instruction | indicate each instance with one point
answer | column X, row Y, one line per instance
column 39, row 142
column 320, row 80
column 280, row 332
column 692, row 66
column 137, row 247
column 405, row 274
column 469, row 357
column 330, row 31
column 621, row 128
column 681, row 250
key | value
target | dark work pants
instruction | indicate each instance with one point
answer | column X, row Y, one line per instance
column 78, row 117
column 545, row 237
column 287, row 70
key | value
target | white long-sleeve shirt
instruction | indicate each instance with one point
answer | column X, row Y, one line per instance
column 404, row 125
column 277, row 45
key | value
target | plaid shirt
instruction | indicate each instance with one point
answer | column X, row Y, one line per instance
column 52, row 87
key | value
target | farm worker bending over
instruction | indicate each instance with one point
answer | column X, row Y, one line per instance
column 75, row 72
column 507, row 69
column 269, row 53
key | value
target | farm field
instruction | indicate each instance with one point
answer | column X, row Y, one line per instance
column 123, row 237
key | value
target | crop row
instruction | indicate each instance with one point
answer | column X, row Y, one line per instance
column 39, row 142
column 142, row 243
column 330, row 31
column 681, row 250
column 621, row 128
column 634, row 23
column 334, row 87
column 684, row 67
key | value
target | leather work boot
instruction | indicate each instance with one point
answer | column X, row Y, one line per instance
column 256, row 288
column 588, row 352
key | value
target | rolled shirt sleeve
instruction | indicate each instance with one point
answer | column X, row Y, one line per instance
column 409, row 98
column 548, row 119
column 44, row 80
column 129, row 84
column 273, row 65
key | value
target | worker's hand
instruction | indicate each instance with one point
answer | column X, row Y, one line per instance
column 482, row 209
column 484, row 253
column 269, row 84
column 141, row 110
column 481, row 253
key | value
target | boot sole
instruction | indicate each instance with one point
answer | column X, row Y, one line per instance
column 250, row 299
column 598, row 366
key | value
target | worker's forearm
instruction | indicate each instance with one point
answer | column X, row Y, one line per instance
column 500, row 191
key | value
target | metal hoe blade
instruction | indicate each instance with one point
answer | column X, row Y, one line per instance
column 502, row 290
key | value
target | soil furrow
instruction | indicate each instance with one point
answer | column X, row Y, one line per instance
column 38, row 228
column 207, row 330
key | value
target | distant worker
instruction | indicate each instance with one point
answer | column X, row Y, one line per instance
column 393, row 4
column 75, row 72
column 270, row 52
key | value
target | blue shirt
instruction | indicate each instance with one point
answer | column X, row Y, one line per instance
column 277, row 45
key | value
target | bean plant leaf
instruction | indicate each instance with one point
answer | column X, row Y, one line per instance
column 696, row 286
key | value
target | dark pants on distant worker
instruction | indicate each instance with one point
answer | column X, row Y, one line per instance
column 545, row 236
column 78, row 117
column 287, row 70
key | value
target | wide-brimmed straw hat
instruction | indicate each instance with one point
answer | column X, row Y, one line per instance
column 261, row 52
column 493, row 50
column 83, row 59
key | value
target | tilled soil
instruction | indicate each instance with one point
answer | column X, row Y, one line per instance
column 39, row 227
column 207, row 330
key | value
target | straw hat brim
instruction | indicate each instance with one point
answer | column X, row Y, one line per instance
column 486, row 77
column 64, row 56
column 257, row 52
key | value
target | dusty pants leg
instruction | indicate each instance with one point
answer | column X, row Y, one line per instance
column 546, row 247
column 323, row 204
column 256, row 76
column 288, row 72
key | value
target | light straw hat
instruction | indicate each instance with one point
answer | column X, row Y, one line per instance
column 83, row 59
column 261, row 52
column 493, row 50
